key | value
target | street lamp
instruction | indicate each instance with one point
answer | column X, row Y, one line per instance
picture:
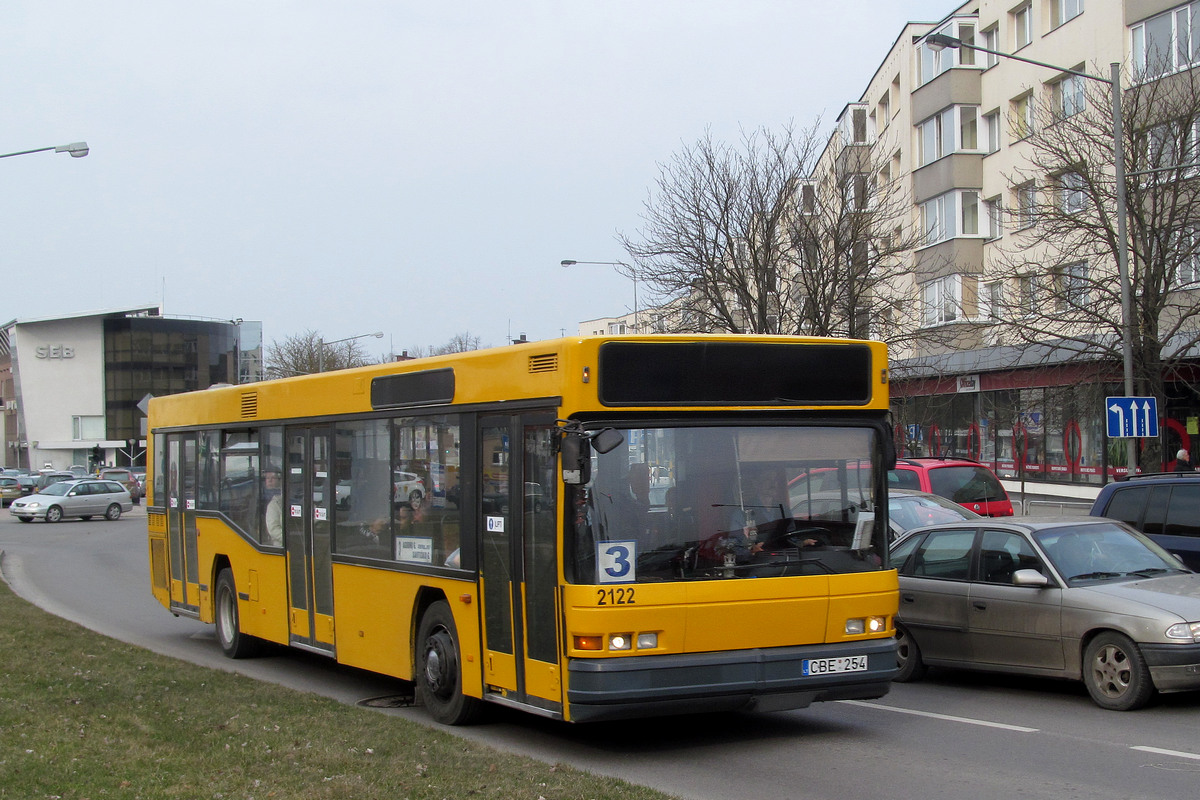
column 321, row 343
column 938, row 41
column 76, row 149
column 567, row 262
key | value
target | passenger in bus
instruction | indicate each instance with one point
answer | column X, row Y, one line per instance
column 273, row 510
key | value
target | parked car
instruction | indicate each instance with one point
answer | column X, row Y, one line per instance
column 45, row 479
column 78, row 470
column 1165, row 507
column 86, row 498
column 28, row 484
column 126, row 478
column 908, row 509
column 10, row 489
column 966, row 482
column 1071, row 597
column 409, row 487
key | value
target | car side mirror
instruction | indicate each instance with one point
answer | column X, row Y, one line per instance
column 1030, row 577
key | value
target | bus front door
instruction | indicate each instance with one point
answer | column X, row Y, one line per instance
column 181, row 522
column 518, row 560
column 308, row 496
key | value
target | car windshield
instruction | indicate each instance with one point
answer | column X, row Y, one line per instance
column 59, row 489
column 1104, row 552
column 728, row 502
column 965, row 484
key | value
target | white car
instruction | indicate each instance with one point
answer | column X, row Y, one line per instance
column 410, row 488
column 82, row 498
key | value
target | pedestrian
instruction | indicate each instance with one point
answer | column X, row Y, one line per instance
column 1183, row 461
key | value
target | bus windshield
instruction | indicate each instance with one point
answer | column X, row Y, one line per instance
column 705, row 503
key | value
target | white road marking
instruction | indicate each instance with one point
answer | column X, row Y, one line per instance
column 1162, row 752
column 947, row 717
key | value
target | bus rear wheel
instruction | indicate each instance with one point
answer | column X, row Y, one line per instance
column 439, row 669
column 234, row 643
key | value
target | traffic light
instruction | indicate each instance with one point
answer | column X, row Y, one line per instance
column 97, row 455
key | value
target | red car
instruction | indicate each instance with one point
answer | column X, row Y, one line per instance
column 968, row 483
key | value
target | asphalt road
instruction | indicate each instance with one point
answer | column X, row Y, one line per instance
column 956, row 735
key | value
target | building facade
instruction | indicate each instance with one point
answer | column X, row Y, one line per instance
column 74, row 387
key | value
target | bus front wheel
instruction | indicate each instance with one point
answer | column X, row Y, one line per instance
column 234, row 643
column 439, row 669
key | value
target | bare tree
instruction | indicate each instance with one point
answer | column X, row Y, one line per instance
column 1060, row 267
column 302, row 354
column 459, row 343
column 780, row 234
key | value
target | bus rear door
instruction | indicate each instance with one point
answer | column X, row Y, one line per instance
column 181, row 521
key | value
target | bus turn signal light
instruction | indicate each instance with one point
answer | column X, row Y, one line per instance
column 589, row 642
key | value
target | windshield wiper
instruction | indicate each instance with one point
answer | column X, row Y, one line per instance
column 1092, row 575
column 1149, row 571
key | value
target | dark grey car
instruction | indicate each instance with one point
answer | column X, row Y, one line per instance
column 1080, row 598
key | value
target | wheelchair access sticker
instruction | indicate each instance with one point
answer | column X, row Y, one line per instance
column 616, row 562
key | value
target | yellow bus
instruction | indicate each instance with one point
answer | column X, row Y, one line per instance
column 586, row 529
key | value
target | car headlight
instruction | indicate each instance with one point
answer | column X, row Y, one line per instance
column 32, row 506
column 1185, row 630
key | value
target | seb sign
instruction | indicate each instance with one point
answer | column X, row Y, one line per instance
column 55, row 351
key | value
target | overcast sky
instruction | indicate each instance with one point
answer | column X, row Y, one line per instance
column 413, row 168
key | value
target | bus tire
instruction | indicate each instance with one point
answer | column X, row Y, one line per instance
column 234, row 643
column 439, row 669
column 908, row 657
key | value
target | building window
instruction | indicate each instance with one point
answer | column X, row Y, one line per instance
column 940, row 300
column 1064, row 11
column 1073, row 286
column 991, row 127
column 1068, row 96
column 1022, row 25
column 1072, row 198
column 1021, row 118
column 1026, row 205
column 994, row 209
column 991, row 300
column 990, row 40
column 951, row 130
column 1187, row 257
column 1027, row 295
column 950, row 215
column 931, row 62
column 1167, row 42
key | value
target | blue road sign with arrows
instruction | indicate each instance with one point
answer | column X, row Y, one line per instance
column 1132, row 417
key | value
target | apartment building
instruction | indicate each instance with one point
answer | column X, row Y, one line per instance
column 1003, row 364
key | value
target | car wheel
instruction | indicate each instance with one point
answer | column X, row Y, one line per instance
column 53, row 514
column 439, row 669
column 1115, row 673
column 908, row 657
column 414, row 499
column 25, row 519
column 113, row 513
column 234, row 643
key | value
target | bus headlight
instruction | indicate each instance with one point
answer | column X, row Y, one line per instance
column 647, row 641
column 620, row 641
column 861, row 625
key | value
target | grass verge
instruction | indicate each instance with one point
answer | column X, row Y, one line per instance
column 83, row 717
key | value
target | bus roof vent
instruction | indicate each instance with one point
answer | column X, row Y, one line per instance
column 249, row 405
column 546, row 362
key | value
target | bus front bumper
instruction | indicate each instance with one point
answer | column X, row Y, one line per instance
column 767, row 679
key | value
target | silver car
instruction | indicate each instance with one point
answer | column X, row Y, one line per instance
column 1081, row 598
column 910, row 508
column 81, row 498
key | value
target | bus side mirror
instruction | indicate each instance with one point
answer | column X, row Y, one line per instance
column 889, row 450
column 576, row 459
column 607, row 440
